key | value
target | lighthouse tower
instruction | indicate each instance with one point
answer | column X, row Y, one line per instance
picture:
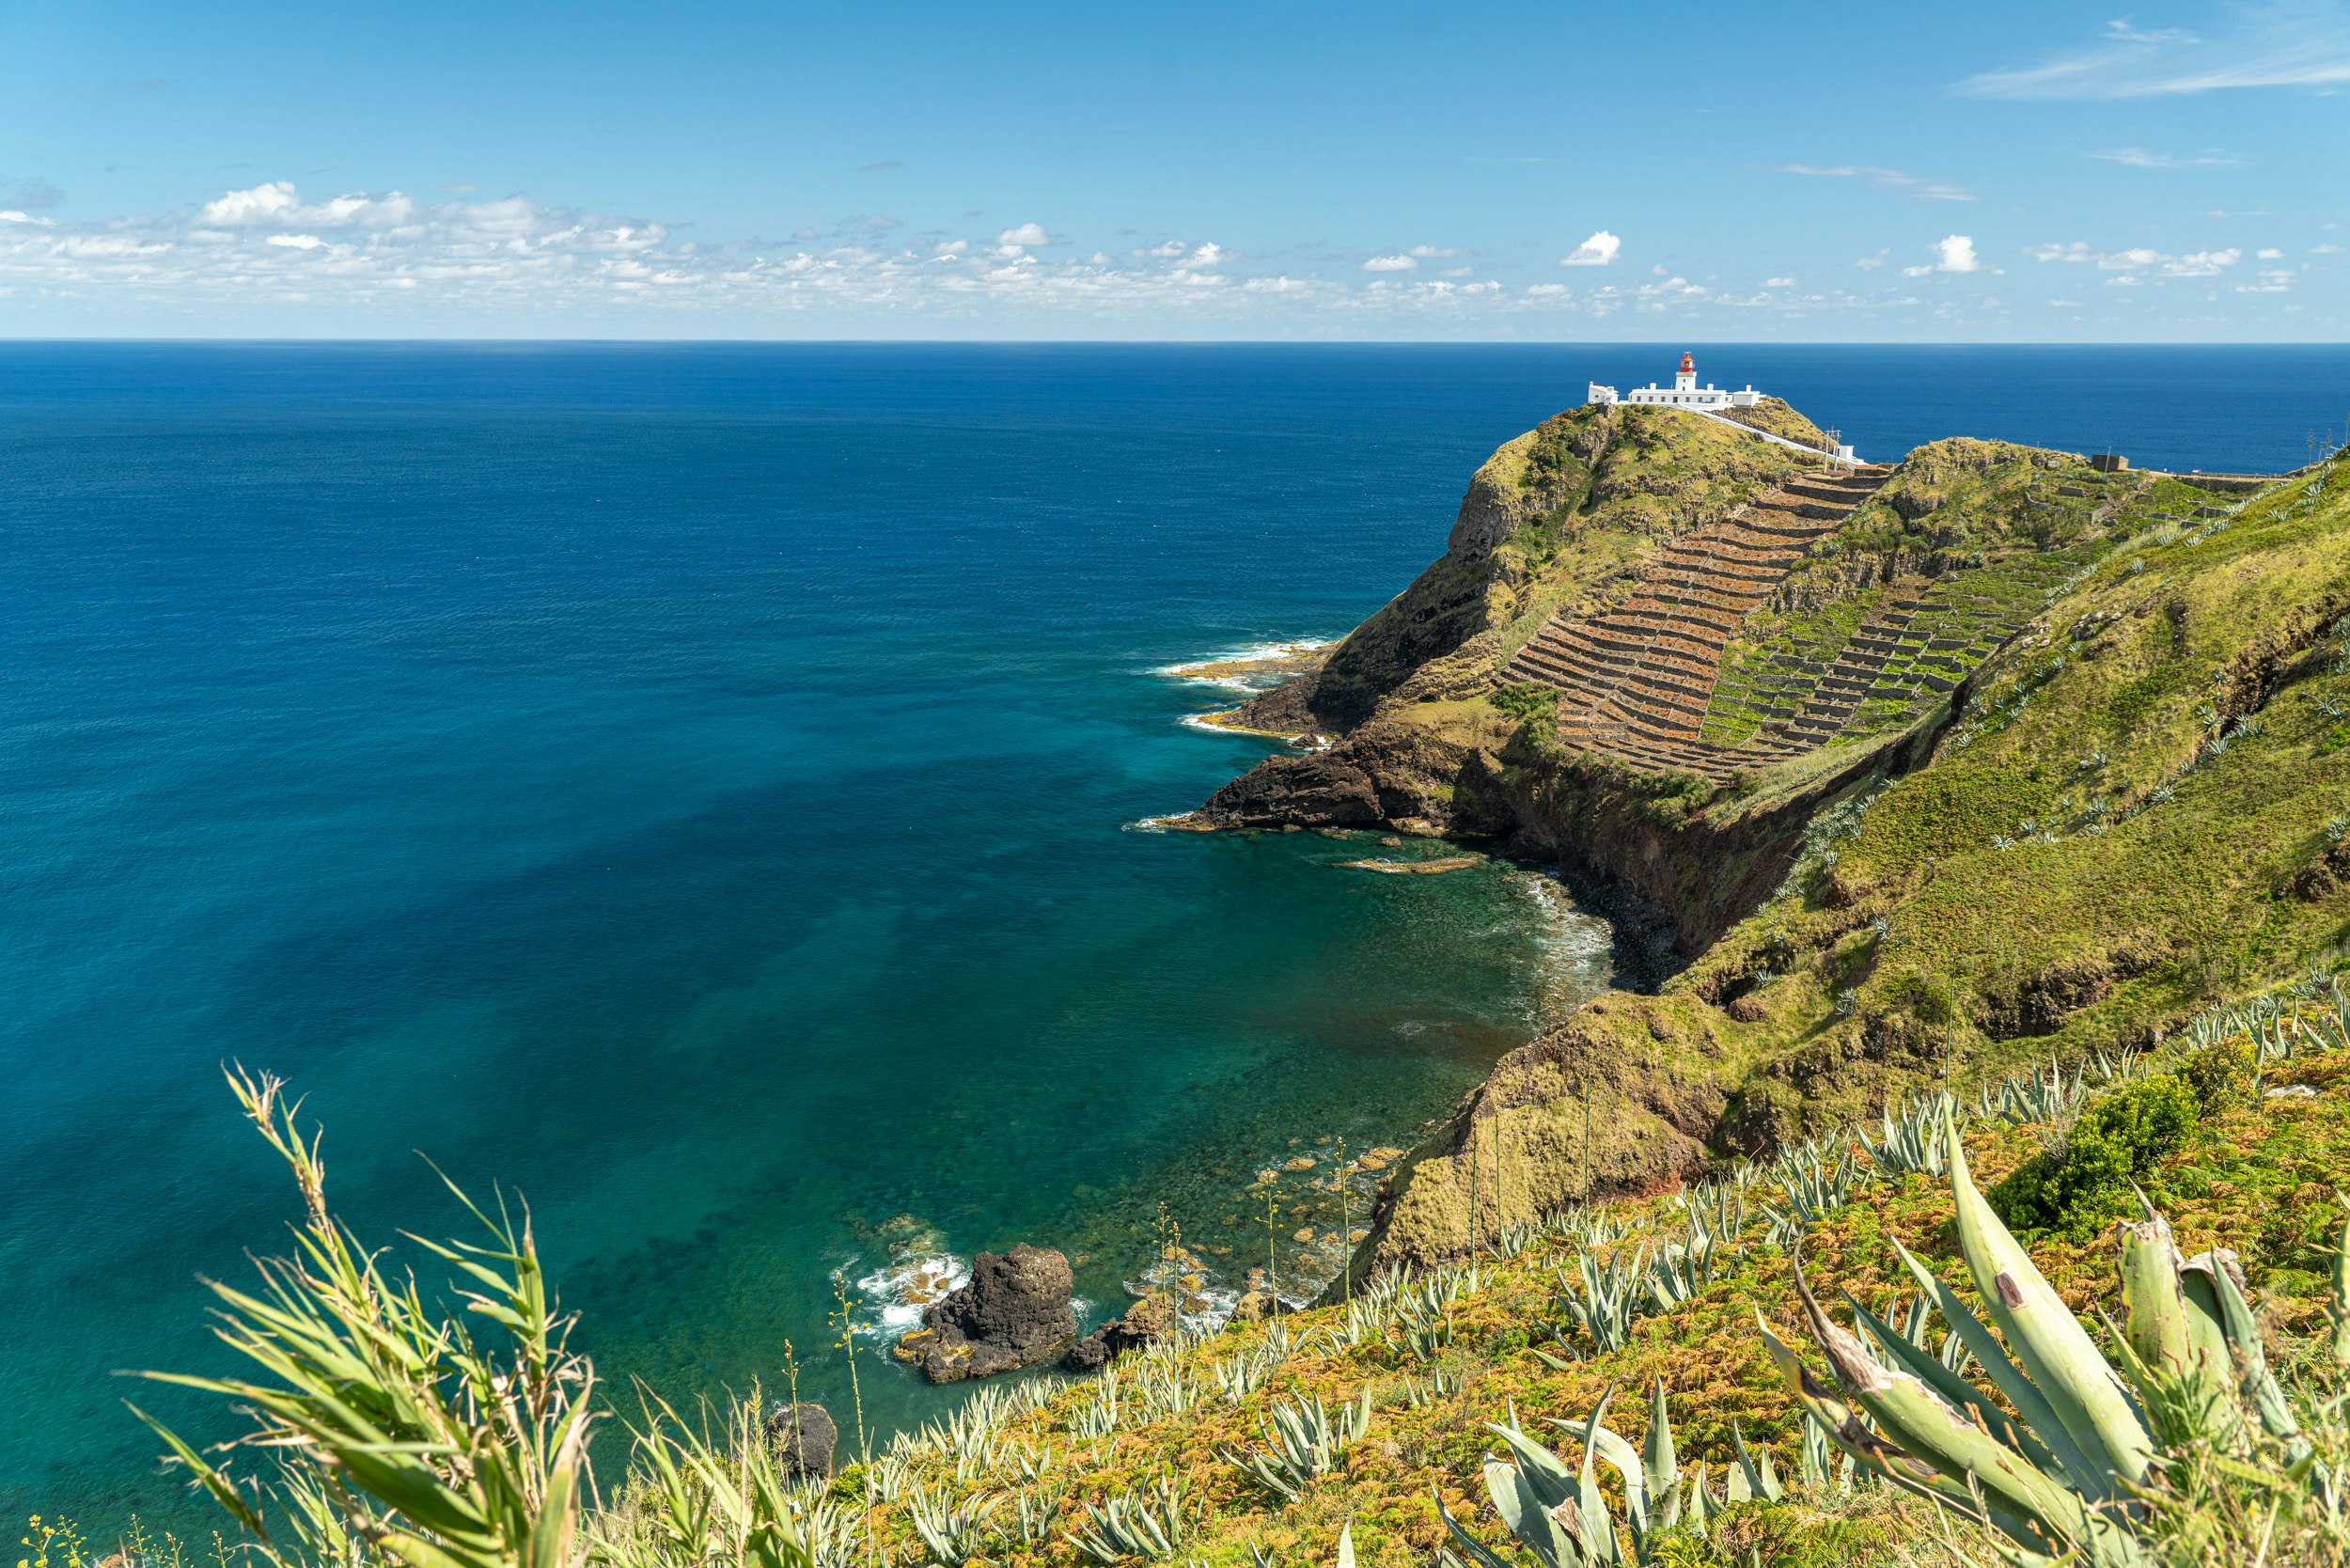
column 1685, row 379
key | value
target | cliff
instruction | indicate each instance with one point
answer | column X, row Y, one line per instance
column 2014, row 761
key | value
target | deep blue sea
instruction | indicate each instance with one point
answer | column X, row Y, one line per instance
column 693, row 786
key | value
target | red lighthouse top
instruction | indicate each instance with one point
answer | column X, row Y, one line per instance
column 1688, row 365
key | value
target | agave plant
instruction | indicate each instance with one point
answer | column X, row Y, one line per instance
column 1303, row 1442
column 1144, row 1522
column 1239, row 1375
column 2077, row 1470
column 1681, row 1271
column 1100, row 1415
column 952, row 1528
column 398, row 1435
column 1164, row 1387
column 1813, row 1187
column 1563, row 1518
column 1034, row 1513
column 1607, row 1303
column 1912, row 1136
column 1423, row 1315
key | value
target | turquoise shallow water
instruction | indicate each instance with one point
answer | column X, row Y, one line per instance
column 691, row 786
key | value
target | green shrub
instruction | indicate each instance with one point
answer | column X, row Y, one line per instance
column 2119, row 1139
column 1535, row 707
column 1928, row 1000
column 2219, row 1075
column 1524, row 700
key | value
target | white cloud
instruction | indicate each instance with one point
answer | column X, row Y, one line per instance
column 1389, row 265
column 277, row 256
column 2323, row 250
column 257, row 205
column 1597, row 251
column 1433, row 253
column 2275, row 282
column 1913, row 184
column 2139, row 158
column 2140, row 258
column 2268, row 253
column 1952, row 254
column 2202, row 263
column 1871, row 263
column 2293, row 45
column 1026, row 234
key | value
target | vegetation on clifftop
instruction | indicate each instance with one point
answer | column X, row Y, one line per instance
column 2122, row 798
column 386, row 1432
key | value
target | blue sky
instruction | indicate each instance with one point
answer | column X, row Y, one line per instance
column 1982, row 172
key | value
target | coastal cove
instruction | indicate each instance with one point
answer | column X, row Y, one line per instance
column 718, row 793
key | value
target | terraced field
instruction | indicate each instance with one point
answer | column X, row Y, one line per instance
column 1637, row 679
column 1825, row 611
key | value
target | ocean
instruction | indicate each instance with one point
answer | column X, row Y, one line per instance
column 702, row 791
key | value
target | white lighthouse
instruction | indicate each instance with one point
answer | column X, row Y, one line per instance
column 1683, row 393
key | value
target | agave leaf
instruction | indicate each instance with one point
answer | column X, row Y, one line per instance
column 2089, row 1399
column 2171, row 1346
column 2039, row 1416
column 1481, row 1554
column 1346, row 1545
column 1592, row 1524
column 1923, row 1425
column 1530, row 1519
column 1848, row 1432
column 2155, row 1318
column 1910, row 1354
column 2251, row 1355
column 1761, row 1481
column 1550, row 1480
column 1660, row 1463
column 1699, row 1502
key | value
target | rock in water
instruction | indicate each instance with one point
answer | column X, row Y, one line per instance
column 804, row 1438
column 1153, row 1317
column 1014, row 1312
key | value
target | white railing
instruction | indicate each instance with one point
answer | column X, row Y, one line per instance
column 1841, row 455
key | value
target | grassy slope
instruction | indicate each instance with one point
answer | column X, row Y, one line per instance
column 2085, row 860
column 2256, row 1178
column 2076, row 846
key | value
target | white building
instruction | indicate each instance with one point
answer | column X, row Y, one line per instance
column 1683, row 393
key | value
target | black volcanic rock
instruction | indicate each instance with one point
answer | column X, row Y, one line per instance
column 1014, row 1313
column 804, row 1438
